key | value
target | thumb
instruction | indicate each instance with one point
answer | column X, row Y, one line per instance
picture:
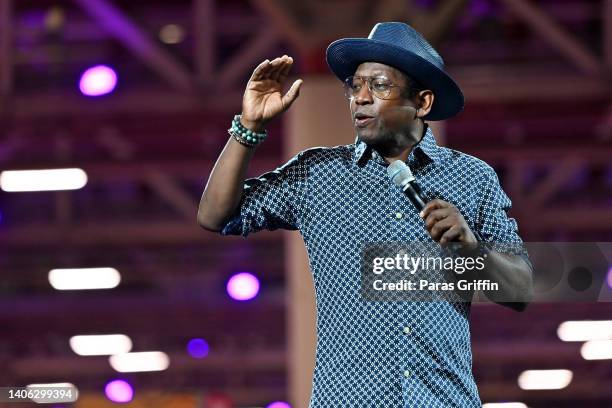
column 292, row 93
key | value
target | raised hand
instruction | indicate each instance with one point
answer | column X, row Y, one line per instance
column 263, row 99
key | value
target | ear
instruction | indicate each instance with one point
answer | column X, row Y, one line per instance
column 424, row 100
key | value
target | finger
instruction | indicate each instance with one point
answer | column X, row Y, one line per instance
column 440, row 228
column 268, row 69
column 451, row 234
column 278, row 68
column 275, row 75
column 432, row 205
column 259, row 70
column 282, row 74
column 435, row 216
column 292, row 93
column 276, row 65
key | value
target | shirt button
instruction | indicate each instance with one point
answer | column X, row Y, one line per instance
column 406, row 330
column 398, row 215
column 407, row 373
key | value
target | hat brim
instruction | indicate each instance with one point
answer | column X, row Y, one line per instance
column 345, row 55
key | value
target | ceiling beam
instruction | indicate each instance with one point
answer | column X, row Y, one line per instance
column 115, row 171
column 532, row 352
column 395, row 10
column 543, row 155
column 557, row 179
column 607, row 33
column 479, row 84
column 436, row 25
column 567, row 44
column 170, row 191
column 248, row 57
column 495, row 84
column 51, row 104
column 204, row 32
column 220, row 362
column 583, row 388
column 120, row 26
column 587, row 219
column 6, row 49
column 118, row 233
column 286, row 24
column 161, row 302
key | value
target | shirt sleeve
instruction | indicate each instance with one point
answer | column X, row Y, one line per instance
column 271, row 201
column 494, row 224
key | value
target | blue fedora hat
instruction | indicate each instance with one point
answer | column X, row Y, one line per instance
column 402, row 47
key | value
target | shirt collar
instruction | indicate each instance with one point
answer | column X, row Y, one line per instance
column 427, row 145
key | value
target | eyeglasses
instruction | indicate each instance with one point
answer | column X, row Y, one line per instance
column 379, row 86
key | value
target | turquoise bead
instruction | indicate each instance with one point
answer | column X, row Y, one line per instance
column 248, row 136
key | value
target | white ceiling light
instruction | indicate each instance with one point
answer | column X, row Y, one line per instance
column 140, row 361
column 100, row 345
column 597, row 350
column 172, row 34
column 42, row 180
column 585, row 330
column 544, row 379
column 84, row 278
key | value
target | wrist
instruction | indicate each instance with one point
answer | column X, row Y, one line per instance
column 253, row 126
column 244, row 135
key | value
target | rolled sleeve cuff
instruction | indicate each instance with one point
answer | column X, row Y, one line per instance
column 237, row 225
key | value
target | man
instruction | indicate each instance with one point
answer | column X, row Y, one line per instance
column 373, row 354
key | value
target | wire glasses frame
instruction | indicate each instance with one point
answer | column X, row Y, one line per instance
column 379, row 86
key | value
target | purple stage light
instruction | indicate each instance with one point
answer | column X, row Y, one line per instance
column 98, row 80
column 197, row 348
column 243, row 286
column 278, row 404
column 119, row 391
column 609, row 277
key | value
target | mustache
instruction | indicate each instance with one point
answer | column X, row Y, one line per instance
column 363, row 113
column 397, row 109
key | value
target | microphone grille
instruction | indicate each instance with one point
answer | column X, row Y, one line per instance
column 400, row 173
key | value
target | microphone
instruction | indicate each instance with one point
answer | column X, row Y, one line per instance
column 402, row 177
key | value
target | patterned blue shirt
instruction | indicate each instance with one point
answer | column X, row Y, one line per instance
column 378, row 354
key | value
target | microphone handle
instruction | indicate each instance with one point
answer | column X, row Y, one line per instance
column 413, row 192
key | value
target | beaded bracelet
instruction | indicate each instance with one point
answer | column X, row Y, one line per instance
column 245, row 136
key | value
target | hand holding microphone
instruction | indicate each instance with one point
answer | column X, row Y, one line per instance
column 442, row 219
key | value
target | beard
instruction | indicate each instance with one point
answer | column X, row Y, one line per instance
column 377, row 134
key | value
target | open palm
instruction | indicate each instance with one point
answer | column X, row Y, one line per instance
column 263, row 99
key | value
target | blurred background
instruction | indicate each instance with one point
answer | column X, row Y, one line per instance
column 123, row 106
